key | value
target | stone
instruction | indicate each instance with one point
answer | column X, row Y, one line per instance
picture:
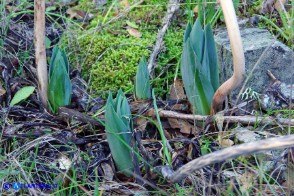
column 278, row 58
column 245, row 136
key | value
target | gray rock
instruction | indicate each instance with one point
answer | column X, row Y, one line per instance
column 245, row 136
column 278, row 58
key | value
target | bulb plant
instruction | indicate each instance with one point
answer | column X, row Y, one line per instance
column 142, row 81
column 119, row 129
column 60, row 87
column 199, row 67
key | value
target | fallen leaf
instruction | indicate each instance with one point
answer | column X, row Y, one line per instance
column 279, row 5
column 141, row 123
column 247, row 181
column 226, row 143
column 195, row 10
column 184, row 126
column 107, row 170
column 134, row 32
column 177, row 92
column 2, row 90
column 132, row 24
column 78, row 14
column 73, row 14
column 125, row 3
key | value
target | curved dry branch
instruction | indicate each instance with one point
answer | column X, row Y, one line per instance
column 231, row 152
column 238, row 57
column 40, row 50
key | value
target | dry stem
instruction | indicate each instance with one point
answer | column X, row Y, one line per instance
column 238, row 57
column 40, row 50
column 248, row 120
column 231, row 152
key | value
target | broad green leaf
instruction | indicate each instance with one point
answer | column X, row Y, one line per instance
column 52, row 61
column 211, row 56
column 188, row 72
column 197, row 39
column 126, row 116
column 118, row 102
column 199, row 67
column 65, row 60
column 119, row 137
column 142, row 82
column 57, row 54
column 22, row 94
column 122, row 108
column 187, row 31
column 205, row 92
column 59, row 88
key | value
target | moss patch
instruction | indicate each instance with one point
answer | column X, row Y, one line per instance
column 110, row 57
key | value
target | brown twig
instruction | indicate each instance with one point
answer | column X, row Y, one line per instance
column 40, row 50
column 67, row 113
column 173, row 6
column 231, row 152
column 232, row 119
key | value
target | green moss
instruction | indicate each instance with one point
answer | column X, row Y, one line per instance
column 118, row 65
column 86, row 5
column 110, row 57
column 168, row 60
column 110, row 61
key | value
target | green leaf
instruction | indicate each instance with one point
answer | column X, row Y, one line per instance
column 187, row 31
column 142, row 81
column 188, row 71
column 57, row 54
column 118, row 135
column 65, row 59
column 205, row 93
column 199, row 67
column 197, row 39
column 51, row 63
column 211, row 57
column 132, row 24
column 59, row 88
column 198, row 89
column 22, row 94
column 47, row 42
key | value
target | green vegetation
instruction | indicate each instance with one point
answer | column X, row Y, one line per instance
column 110, row 57
column 59, row 88
column 22, row 94
column 199, row 67
column 142, row 82
column 119, row 128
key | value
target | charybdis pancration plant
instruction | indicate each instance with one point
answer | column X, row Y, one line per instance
column 199, row 67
